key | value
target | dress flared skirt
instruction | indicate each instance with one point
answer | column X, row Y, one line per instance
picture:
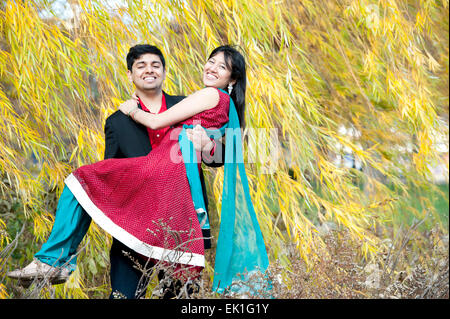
column 144, row 202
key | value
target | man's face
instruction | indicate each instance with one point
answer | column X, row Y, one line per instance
column 147, row 73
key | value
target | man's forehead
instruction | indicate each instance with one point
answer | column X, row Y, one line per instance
column 148, row 58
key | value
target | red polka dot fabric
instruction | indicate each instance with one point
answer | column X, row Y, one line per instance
column 149, row 197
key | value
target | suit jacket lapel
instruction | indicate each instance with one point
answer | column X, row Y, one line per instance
column 142, row 140
column 170, row 100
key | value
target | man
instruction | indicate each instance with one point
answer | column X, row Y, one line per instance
column 125, row 138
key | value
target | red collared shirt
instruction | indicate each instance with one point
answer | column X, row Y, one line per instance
column 156, row 136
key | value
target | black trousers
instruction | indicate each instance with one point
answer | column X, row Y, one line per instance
column 126, row 280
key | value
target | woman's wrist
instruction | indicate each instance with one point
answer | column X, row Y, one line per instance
column 138, row 117
column 145, row 118
column 133, row 112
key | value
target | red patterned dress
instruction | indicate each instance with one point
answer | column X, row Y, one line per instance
column 145, row 202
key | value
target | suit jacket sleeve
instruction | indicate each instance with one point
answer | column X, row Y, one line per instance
column 112, row 149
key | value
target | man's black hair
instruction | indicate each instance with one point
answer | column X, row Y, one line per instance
column 140, row 49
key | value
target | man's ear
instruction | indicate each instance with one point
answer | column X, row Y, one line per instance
column 129, row 76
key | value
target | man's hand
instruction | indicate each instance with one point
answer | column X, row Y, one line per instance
column 201, row 141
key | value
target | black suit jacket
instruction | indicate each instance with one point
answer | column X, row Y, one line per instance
column 125, row 138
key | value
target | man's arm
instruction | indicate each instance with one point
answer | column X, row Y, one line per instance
column 216, row 156
column 213, row 151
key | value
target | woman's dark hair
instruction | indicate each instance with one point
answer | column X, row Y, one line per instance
column 236, row 62
column 135, row 53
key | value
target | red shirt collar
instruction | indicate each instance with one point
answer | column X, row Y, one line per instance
column 163, row 105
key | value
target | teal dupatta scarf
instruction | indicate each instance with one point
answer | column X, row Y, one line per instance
column 241, row 257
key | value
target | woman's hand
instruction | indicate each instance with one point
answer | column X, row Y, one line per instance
column 127, row 106
column 131, row 109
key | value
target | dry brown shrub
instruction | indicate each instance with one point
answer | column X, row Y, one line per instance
column 341, row 272
column 412, row 265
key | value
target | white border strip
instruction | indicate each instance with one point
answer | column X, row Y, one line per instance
column 125, row 237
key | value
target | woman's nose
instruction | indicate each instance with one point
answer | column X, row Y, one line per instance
column 213, row 68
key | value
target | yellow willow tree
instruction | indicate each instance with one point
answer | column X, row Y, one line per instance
column 317, row 70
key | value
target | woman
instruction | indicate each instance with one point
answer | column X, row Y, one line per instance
column 154, row 205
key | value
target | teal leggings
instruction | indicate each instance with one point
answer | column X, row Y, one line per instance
column 71, row 224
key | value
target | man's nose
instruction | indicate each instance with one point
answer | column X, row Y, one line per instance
column 149, row 69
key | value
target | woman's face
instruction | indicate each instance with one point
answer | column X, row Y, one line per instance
column 216, row 72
